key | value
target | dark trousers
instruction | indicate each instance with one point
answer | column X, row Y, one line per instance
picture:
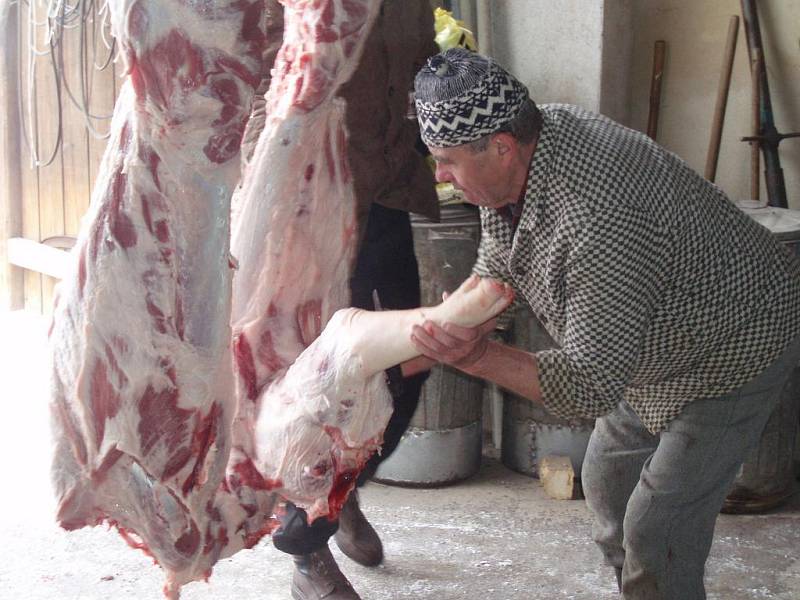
column 385, row 263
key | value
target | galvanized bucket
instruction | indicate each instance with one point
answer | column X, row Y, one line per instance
column 530, row 433
column 443, row 443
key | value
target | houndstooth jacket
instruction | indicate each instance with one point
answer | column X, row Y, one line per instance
column 657, row 289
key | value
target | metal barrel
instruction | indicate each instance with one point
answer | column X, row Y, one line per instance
column 530, row 433
column 444, row 440
column 767, row 477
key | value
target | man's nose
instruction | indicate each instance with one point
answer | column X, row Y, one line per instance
column 442, row 174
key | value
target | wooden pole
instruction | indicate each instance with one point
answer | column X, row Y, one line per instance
column 659, row 52
column 755, row 117
column 722, row 99
column 11, row 278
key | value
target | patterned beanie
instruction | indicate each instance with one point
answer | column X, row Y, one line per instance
column 461, row 96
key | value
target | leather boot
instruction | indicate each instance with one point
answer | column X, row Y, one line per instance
column 317, row 577
column 356, row 537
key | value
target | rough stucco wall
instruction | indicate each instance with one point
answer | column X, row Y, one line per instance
column 556, row 53
column 695, row 33
column 617, row 36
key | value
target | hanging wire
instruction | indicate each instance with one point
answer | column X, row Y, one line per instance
column 81, row 16
column 47, row 32
column 31, row 53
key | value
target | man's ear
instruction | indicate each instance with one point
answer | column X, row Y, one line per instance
column 504, row 144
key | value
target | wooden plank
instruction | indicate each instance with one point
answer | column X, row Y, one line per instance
column 77, row 185
column 29, row 173
column 51, row 176
column 12, row 282
column 102, row 94
column 38, row 257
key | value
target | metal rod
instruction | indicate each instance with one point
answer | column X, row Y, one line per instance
column 467, row 13
column 485, row 27
column 769, row 138
column 722, row 99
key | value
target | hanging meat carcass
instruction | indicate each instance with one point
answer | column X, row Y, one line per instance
column 142, row 380
column 143, row 400
column 294, row 236
column 142, row 385
column 306, row 426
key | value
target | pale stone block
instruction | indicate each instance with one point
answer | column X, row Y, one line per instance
column 558, row 477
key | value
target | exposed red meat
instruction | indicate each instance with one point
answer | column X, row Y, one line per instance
column 143, row 402
column 305, row 425
column 142, row 378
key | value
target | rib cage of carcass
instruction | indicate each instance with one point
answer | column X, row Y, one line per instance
column 143, row 395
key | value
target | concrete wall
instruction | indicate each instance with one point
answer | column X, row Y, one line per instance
column 695, row 33
column 558, row 58
column 598, row 53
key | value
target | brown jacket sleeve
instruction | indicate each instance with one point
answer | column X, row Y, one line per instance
column 381, row 149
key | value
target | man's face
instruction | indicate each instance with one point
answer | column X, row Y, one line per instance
column 482, row 176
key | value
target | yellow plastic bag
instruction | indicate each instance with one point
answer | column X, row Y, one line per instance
column 451, row 32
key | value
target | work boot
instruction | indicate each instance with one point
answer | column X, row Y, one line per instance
column 356, row 537
column 317, row 577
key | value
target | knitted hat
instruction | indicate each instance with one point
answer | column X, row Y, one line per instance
column 461, row 97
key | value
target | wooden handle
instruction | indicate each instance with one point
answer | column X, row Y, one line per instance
column 755, row 121
column 722, row 99
column 659, row 52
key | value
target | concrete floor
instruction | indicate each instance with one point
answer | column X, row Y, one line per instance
column 495, row 536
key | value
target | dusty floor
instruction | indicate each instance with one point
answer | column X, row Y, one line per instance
column 496, row 536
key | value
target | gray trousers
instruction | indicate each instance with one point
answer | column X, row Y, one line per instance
column 655, row 498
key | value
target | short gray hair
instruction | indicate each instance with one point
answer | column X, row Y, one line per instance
column 524, row 127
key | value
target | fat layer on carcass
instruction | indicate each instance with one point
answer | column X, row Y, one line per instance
column 143, row 402
column 141, row 372
column 306, row 425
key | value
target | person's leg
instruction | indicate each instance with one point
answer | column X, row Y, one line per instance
column 386, row 263
column 316, row 574
column 386, row 266
column 669, row 521
column 618, row 448
column 296, row 536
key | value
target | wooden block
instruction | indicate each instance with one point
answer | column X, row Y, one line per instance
column 38, row 257
column 558, row 477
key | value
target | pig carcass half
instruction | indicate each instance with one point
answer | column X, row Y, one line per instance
column 294, row 236
column 143, row 396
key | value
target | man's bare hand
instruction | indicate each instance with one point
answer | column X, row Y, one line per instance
column 460, row 347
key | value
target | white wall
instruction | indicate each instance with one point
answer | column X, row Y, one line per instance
column 598, row 53
column 556, row 53
column 695, row 33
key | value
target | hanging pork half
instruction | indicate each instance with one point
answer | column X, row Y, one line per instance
column 142, row 381
column 146, row 420
column 307, row 423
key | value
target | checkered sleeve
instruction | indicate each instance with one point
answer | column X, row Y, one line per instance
column 489, row 264
column 612, row 276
